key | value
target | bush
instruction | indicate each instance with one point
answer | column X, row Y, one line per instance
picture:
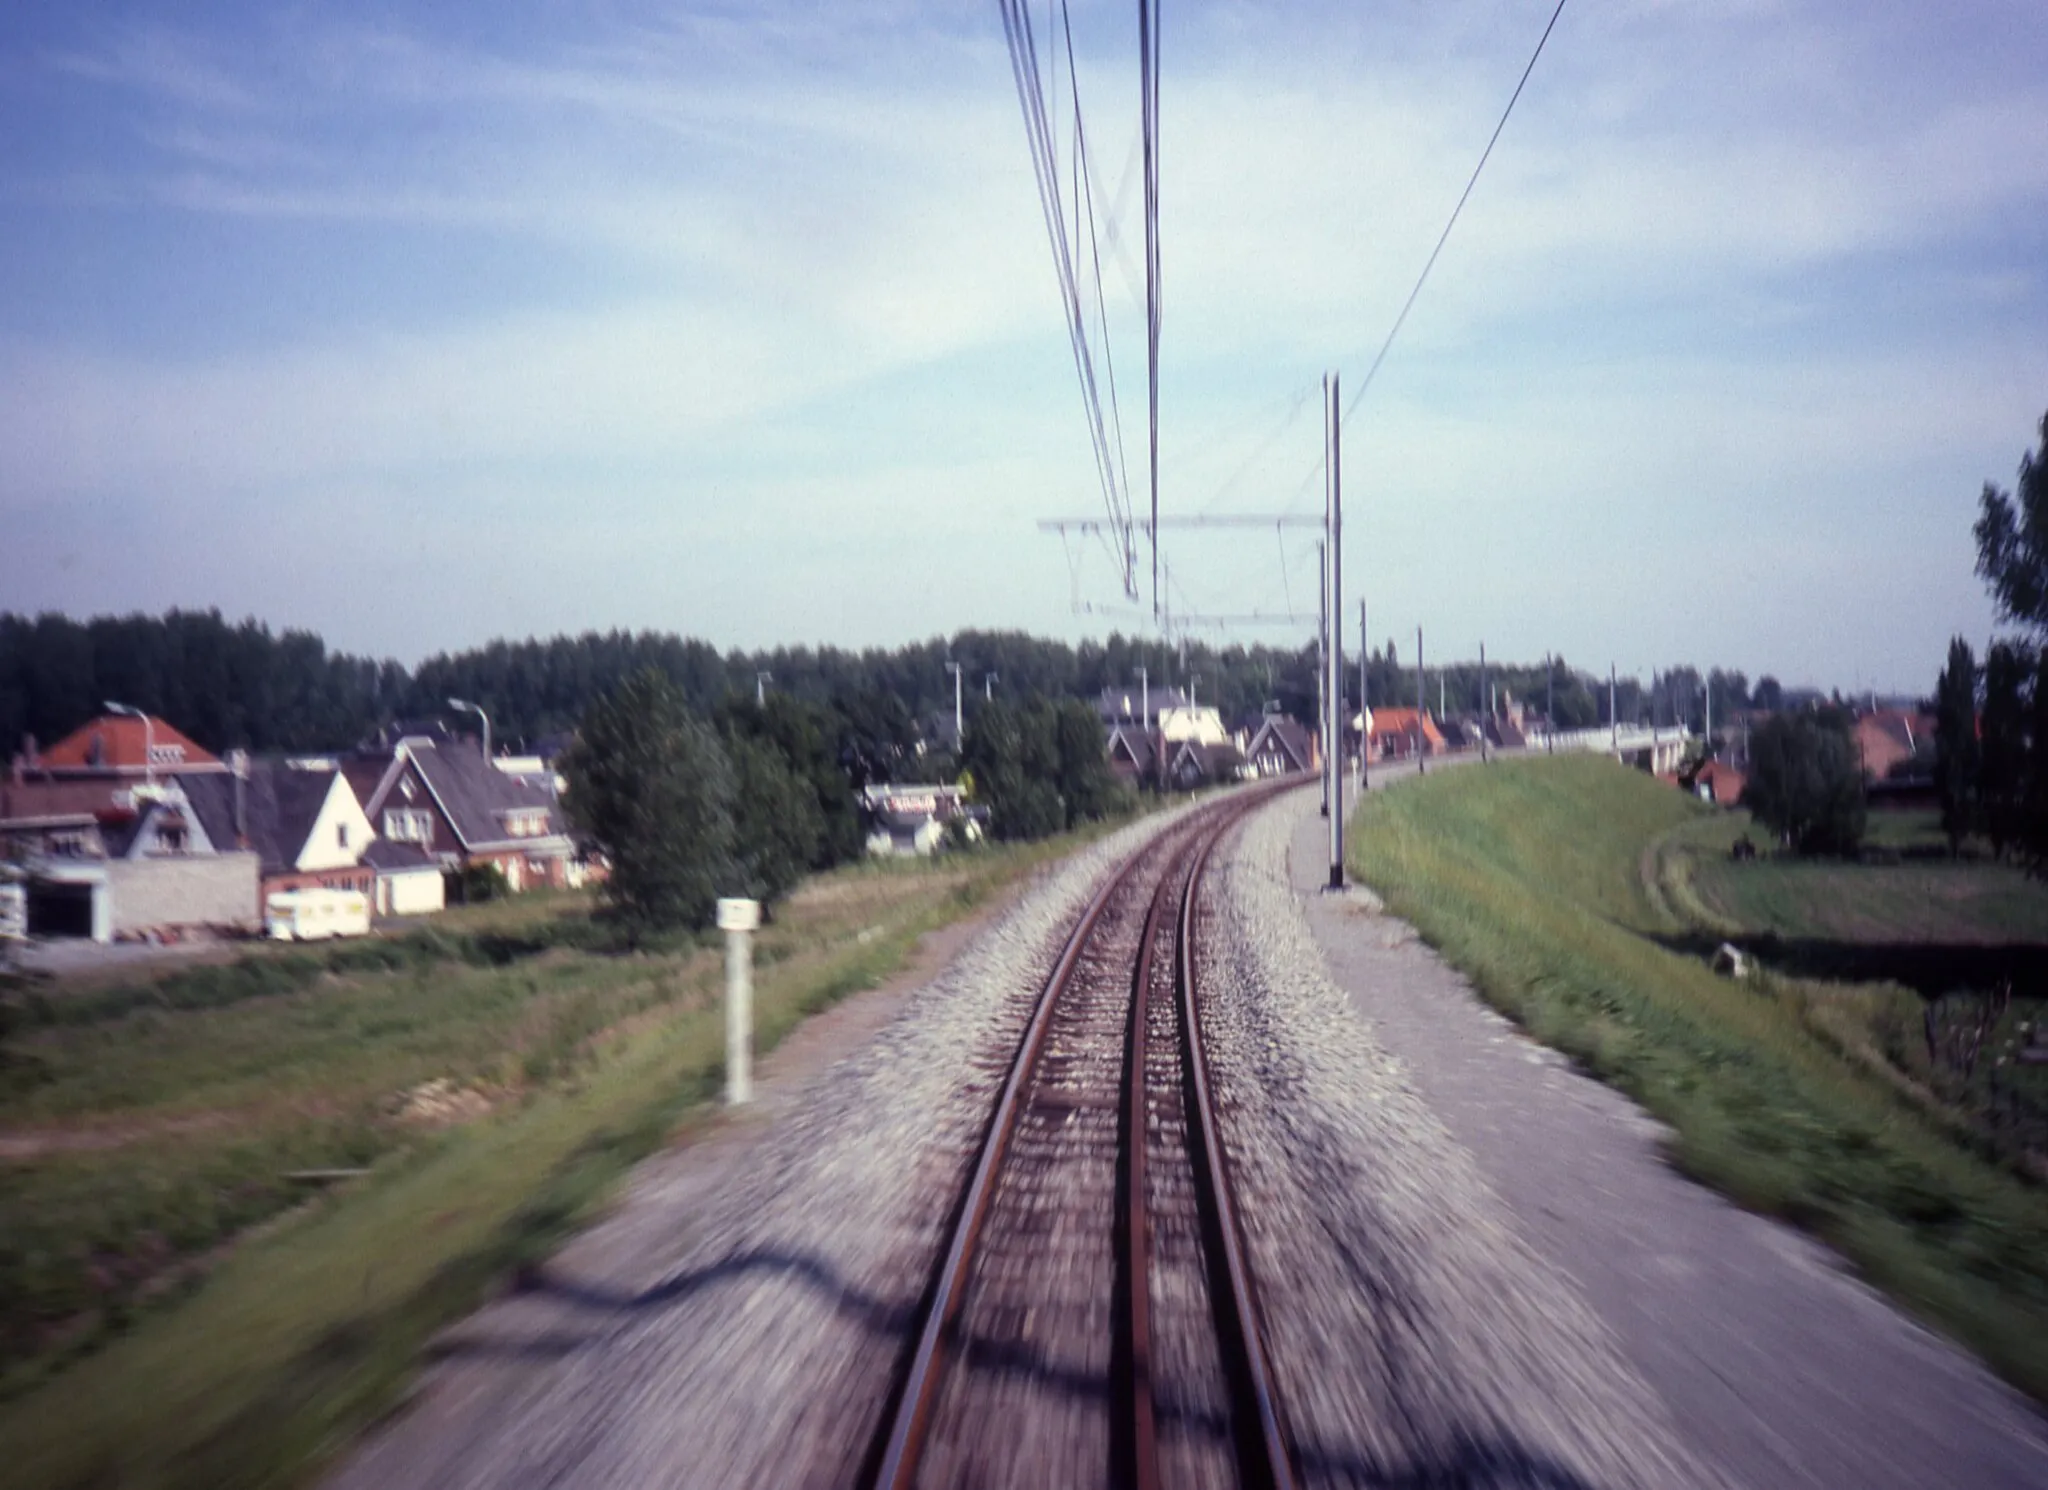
column 476, row 884
column 1806, row 782
column 650, row 784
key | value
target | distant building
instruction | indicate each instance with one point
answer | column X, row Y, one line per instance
column 120, row 745
column 1715, row 781
column 909, row 818
column 1275, row 746
column 1892, row 742
column 442, row 798
column 1399, row 733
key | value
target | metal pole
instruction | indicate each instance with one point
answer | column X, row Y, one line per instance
column 1323, row 641
column 478, row 710
column 1364, row 705
column 1485, row 704
column 1334, row 610
column 1420, row 741
column 1549, row 704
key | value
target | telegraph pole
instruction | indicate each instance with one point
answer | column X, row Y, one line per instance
column 1364, row 705
column 959, row 718
column 1549, row 704
column 1420, row 768
column 1323, row 654
column 1613, row 713
column 1485, row 705
column 1333, row 608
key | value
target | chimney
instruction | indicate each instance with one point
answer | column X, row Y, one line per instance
column 238, row 765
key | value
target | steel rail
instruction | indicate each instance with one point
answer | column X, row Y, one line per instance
column 910, row 1411
column 1263, row 1461
column 913, row 1409
column 1135, row 1212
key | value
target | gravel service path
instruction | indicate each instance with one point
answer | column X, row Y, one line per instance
column 1776, row 1365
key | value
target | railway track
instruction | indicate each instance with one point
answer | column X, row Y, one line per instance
column 1093, row 1316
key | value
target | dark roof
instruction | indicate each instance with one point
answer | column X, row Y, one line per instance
column 1131, row 700
column 28, row 801
column 476, row 795
column 280, row 806
column 1285, row 732
column 384, row 855
column 1137, row 744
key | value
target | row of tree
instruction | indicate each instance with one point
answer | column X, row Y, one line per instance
column 1991, row 721
column 746, row 800
column 244, row 685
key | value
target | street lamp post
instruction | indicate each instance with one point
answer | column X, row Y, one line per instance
column 148, row 738
column 476, row 709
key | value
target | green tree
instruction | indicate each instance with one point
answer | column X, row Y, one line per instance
column 776, row 822
column 2012, row 558
column 1957, row 761
column 2033, row 830
column 2012, row 541
column 1806, row 781
column 2003, row 764
column 648, row 781
column 1013, row 756
column 802, row 736
column 1088, row 789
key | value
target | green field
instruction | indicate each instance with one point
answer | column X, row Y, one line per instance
column 1555, row 886
column 1911, row 891
column 179, row 1305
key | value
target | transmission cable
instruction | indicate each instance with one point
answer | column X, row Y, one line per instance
column 1463, row 197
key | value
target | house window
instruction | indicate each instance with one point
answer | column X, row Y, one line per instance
column 341, row 835
column 408, row 825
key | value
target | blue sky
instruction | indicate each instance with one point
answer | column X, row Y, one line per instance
column 425, row 325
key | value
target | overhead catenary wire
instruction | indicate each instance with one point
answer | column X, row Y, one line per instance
column 1032, row 97
column 1463, row 197
column 1429, row 264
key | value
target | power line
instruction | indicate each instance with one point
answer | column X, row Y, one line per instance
column 1463, row 197
column 1308, row 481
column 1039, row 134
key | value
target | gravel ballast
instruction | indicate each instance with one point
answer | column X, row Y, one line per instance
column 1416, row 1339
column 760, row 1350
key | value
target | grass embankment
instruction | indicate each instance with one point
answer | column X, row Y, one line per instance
column 1530, row 877
column 497, row 1073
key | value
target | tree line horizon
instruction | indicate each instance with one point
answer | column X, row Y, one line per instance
column 242, row 685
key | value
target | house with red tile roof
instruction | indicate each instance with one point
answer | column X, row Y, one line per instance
column 121, row 745
column 1395, row 733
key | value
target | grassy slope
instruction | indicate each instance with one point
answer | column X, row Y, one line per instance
column 307, row 1330
column 1527, row 876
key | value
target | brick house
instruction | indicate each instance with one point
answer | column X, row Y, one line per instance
column 444, row 798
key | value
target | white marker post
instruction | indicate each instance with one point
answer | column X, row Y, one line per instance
column 737, row 919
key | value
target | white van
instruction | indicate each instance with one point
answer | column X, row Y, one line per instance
column 310, row 915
